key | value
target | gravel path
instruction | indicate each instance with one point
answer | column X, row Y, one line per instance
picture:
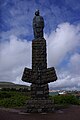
column 71, row 113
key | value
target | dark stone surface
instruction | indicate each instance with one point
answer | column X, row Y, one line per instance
column 40, row 106
column 39, row 75
column 38, row 25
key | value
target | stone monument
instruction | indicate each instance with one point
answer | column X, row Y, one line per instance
column 39, row 75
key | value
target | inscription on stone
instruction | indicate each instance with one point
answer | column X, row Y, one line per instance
column 39, row 92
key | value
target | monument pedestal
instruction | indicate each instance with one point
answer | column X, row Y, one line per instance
column 40, row 106
column 39, row 76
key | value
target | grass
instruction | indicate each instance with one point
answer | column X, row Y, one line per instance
column 65, row 100
column 16, row 99
column 13, row 99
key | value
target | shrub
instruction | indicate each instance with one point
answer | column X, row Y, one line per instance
column 4, row 94
column 13, row 99
column 66, row 99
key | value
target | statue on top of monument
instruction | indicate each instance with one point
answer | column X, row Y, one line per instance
column 38, row 25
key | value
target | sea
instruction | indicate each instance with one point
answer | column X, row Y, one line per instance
column 53, row 93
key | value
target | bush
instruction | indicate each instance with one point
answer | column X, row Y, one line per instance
column 4, row 94
column 66, row 99
column 18, row 99
column 13, row 99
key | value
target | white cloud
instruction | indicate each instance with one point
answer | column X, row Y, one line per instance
column 61, row 42
column 74, row 63
column 66, row 81
column 16, row 54
column 17, row 31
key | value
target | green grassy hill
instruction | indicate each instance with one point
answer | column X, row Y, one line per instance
column 12, row 85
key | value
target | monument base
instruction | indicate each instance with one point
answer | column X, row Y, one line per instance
column 39, row 106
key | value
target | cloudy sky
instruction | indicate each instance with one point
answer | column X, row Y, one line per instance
column 62, row 33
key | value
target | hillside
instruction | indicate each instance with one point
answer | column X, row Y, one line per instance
column 12, row 85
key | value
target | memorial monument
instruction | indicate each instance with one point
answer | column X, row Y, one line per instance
column 39, row 75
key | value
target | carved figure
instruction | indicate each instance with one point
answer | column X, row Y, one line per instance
column 38, row 25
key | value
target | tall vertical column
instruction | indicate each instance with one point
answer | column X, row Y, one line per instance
column 39, row 64
column 39, row 60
